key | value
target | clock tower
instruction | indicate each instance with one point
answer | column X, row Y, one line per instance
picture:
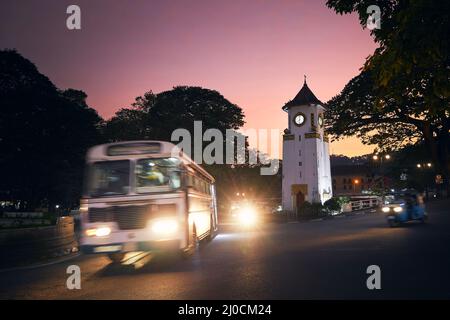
column 306, row 158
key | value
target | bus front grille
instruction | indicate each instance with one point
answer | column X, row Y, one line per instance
column 130, row 217
column 127, row 217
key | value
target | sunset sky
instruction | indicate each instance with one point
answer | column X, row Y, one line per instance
column 254, row 52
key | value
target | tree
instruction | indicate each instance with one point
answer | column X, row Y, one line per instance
column 156, row 116
column 402, row 96
column 44, row 134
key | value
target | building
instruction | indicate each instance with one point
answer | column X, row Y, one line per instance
column 306, row 159
column 356, row 180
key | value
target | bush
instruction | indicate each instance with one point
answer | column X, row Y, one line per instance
column 333, row 204
column 311, row 210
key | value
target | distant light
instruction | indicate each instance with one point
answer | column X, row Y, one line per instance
column 419, row 165
column 237, row 193
column 375, row 157
column 243, row 194
column 57, row 206
column 356, row 181
column 387, row 156
column 429, row 165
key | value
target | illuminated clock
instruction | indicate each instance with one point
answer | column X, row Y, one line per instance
column 320, row 120
column 299, row 119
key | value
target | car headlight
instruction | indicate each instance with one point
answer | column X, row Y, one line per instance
column 98, row 232
column 247, row 216
column 398, row 209
column 386, row 209
column 165, row 226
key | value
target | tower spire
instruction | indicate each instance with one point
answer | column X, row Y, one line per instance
column 305, row 79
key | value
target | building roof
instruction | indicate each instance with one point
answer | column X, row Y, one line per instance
column 304, row 97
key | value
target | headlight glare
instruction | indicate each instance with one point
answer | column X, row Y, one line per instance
column 247, row 216
column 164, row 226
column 98, row 232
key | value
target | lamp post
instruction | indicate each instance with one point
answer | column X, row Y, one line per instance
column 380, row 157
column 355, row 183
column 425, row 166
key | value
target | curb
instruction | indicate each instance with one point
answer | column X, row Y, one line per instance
column 45, row 264
column 339, row 216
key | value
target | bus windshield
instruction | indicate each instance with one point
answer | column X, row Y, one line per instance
column 108, row 178
column 156, row 175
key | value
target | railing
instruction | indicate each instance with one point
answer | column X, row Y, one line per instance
column 361, row 204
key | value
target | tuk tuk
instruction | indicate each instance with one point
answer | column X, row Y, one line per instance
column 403, row 207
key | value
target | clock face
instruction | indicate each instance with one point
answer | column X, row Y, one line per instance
column 320, row 120
column 299, row 119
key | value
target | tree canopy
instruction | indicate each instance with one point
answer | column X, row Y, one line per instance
column 156, row 116
column 402, row 95
column 44, row 134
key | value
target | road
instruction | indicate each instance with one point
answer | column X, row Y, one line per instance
column 311, row 260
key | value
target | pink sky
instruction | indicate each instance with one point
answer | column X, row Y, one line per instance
column 254, row 52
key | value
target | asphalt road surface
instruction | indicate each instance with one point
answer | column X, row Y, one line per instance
column 311, row 260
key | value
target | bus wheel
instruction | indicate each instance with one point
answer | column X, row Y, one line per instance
column 192, row 246
column 116, row 257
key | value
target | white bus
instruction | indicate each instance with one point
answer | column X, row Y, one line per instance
column 138, row 196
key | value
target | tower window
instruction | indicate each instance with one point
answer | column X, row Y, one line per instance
column 300, row 174
column 300, row 137
column 299, row 153
column 299, row 164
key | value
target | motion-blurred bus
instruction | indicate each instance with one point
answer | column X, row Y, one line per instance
column 138, row 196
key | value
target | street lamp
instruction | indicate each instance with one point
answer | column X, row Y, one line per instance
column 376, row 157
column 355, row 183
column 425, row 166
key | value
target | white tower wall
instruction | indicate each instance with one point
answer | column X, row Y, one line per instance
column 306, row 159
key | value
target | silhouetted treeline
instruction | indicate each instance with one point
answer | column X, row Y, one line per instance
column 45, row 132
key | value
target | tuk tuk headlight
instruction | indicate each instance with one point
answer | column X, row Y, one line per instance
column 386, row 209
column 398, row 209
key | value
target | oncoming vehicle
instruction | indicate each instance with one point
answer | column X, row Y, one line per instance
column 139, row 197
column 403, row 207
column 245, row 213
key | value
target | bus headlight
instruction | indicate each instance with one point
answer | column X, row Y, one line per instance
column 386, row 209
column 398, row 209
column 164, row 226
column 247, row 216
column 98, row 232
